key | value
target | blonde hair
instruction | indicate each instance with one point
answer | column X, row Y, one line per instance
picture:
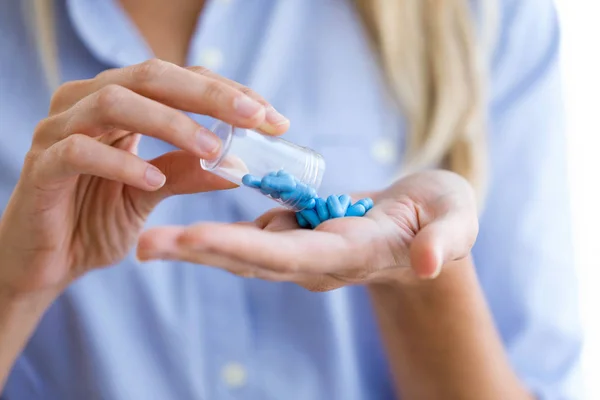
column 434, row 60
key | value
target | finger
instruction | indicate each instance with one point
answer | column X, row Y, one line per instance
column 446, row 239
column 116, row 107
column 80, row 154
column 128, row 143
column 163, row 244
column 274, row 123
column 184, row 90
column 293, row 251
column 184, row 176
column 277, row 219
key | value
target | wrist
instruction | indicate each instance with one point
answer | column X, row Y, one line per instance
column 19, row 316
column 455, row 276
column 27, row 302
column 32, row 304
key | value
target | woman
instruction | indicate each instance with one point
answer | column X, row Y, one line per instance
column 500, row 324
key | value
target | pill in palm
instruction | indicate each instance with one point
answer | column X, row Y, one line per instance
column 344, row 202
column 302, row 222
column 366, row 202
column 321, row 208
column 315, row 210
column 310, row 203
column 356, row 210
column 311, row 216
column 334, row 206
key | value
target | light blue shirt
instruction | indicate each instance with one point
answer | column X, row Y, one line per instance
column 167, row 330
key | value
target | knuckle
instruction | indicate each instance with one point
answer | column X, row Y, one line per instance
column 214, row 91
column 108, row 98
column 31, row 159
column 42, row 129
column 62, row 96
column 149, row 70
column 192, row 239
column 72, row 149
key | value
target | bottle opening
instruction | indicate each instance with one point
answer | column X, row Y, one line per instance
column 224, row 132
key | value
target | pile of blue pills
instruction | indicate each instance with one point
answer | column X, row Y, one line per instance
column 284, row 186
column 314, row 210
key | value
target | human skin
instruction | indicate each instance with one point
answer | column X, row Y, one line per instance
column 83, row 194
column 71, row 213
column 411, row 250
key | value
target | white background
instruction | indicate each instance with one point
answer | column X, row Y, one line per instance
column 581, row 74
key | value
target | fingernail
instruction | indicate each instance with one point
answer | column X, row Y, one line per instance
column 139, row 259
column 208, row 143
column 246, row 107
column 436, row 273
column 154, row 177
column 273, row 117
column 439, row 258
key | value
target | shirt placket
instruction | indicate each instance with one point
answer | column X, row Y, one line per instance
column 225, row 315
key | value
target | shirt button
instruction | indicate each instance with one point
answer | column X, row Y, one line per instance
column 211, row 58
column 384, row 151
column 234, row 375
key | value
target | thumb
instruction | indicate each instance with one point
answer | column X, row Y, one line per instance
column 446, row 239
column 184, row 176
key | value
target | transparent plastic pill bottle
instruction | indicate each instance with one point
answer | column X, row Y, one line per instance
column 245, row 151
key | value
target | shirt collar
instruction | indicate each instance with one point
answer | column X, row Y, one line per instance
column 106, row 31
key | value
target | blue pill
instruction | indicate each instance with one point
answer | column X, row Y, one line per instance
column 301, row 188
column 302, row 221
column 357, row 210
column 280, row 184
column 321, row 208
column 290, row 197
column 366, row 202
column 345, row 201
column 300, row 195
column 266, row 191
column 307, row 191
column 306, row 204
column 334, row 206
column 251, row 181
column 312, row 217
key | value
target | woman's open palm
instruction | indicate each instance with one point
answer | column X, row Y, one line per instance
column 416, row 225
